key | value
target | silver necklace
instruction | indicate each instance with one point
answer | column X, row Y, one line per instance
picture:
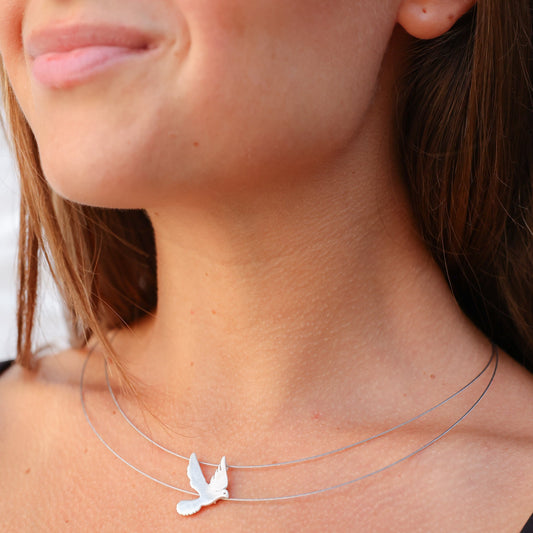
column 216, row 490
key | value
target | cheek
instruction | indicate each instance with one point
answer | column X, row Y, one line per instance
column 12, row 53
column 280, row 83
column 11, row 29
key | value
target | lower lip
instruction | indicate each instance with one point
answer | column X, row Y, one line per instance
column 66, row 69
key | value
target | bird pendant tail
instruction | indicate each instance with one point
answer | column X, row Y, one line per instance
column 188, row 507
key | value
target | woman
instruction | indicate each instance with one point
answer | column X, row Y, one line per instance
column 287, row 227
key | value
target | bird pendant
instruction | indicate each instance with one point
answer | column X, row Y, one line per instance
column 208, row 493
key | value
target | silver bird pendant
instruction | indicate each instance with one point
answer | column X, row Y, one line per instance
column 208, row 494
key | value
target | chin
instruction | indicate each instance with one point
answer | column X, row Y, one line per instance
column 90, row 171
column 94, row 185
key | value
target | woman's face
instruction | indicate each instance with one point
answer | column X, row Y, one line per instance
column 133, row 102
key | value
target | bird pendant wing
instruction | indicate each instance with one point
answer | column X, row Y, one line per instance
column 209, row 494
column 219, row 481
column 198, row 482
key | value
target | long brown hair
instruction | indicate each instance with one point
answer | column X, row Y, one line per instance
column 465, row 129
column 466, row 135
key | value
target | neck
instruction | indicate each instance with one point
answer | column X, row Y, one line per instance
column 298, row 293
column 296, row 299
column 302, row 290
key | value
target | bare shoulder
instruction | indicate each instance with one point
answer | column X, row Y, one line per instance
column 21, row 389
column 507, row 414
column 498, row 444
column 509, row 406
column 30, row 398
column 36, row 406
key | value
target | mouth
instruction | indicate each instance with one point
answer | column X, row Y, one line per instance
column 65, row 56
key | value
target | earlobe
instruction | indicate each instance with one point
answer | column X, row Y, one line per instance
column 427, row 19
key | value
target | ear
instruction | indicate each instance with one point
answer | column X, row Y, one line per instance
column 427, row 19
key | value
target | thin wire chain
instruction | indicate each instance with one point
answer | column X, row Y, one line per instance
column 494, row 354
column 294, row 461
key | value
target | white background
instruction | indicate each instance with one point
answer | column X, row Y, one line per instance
column 51, row 327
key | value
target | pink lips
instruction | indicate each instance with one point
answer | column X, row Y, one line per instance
column 62, row 57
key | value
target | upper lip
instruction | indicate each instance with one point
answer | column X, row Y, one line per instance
column 65, row 38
